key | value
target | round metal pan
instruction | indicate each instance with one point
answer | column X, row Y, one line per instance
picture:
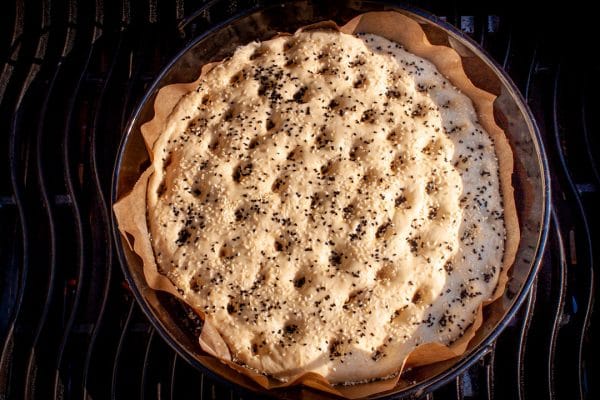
column 530, row 178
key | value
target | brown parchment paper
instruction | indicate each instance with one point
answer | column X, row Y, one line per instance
column 130, row 210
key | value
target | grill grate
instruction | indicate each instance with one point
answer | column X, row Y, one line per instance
column 70, row 328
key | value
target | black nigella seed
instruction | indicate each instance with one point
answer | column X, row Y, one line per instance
column 298, row 283
column 183, row 237
column 291, row 329
column 335, row 258
column 400, row 200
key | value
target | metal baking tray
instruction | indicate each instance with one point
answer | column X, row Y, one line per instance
column 530, row 179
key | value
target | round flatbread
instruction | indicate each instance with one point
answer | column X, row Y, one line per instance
column 329, row 202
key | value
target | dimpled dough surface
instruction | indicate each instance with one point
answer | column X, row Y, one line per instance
column 329, row 202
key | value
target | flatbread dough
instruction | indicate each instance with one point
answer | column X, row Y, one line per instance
column 329, row 202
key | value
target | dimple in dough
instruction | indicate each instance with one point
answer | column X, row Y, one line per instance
column 329, row 202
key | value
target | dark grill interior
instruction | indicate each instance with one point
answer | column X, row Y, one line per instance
column 69, row 326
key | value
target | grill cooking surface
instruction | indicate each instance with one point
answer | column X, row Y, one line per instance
column 69, row 326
